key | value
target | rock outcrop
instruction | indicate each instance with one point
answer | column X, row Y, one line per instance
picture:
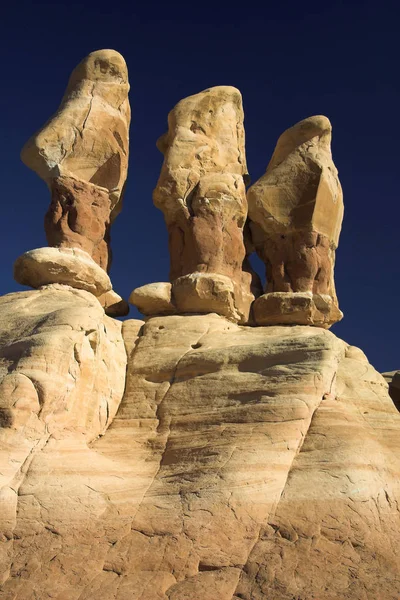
column 67, row 266
column 393, row 380
column 82, row 155
column 190, row 457
column 201, row 191
column 296, row 212
column 242, row 462
column 62, row 376
column 153, row 299
column 113, row 304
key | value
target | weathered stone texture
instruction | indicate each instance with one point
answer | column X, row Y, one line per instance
column 335, row 532
column 67, row 266
column 201, row 191
column 296, row 212
column 153, row 298
column 113, row 304
column 300, row 308
column 82, row 154
column 188, row 457
column 241, row 463
column 79, row 217
column 62, row 375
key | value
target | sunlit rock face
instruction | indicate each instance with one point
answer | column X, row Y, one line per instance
column 66, row 266
column 82, row 154
column 238, row 463
column 229, row 446
column 296, row 212
column 201, row 191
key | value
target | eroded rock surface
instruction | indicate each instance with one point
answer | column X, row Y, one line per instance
column 201, row 191
column 82, row 154
column 241, row 463
column 79, row 217
column 68, row 266
column 296, row 212
column 62, row 376
column 334, row 533
column 153, row 298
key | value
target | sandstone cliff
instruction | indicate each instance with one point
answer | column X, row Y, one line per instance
column 238, row 463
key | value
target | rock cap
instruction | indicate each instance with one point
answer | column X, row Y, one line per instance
column 67, row 266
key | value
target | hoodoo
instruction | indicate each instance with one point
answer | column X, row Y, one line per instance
column 296, row 212
column 201, row 191
column 226, row 447
column 82, row 154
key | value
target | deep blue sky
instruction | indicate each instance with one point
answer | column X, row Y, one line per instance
column 289, row 59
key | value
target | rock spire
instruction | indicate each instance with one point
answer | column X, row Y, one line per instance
column 82, row 155
column 296, row 212
column 201, row 191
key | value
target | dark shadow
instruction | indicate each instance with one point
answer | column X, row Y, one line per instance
column 6, row 419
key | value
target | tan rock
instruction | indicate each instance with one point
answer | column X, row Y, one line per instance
column 201, row 190
column 302, row 308
column 242, row 463
column 82, row 154
column 131, row 331
column 62, row 376
column 339, row 504
column 113, row 304
column 296, row 212
column 207, row 293
column 60, row 344
column 79, row 217
column 153, row 299
column 67, row 266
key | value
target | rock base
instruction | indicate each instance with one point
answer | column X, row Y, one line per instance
column 153, row 299
column 68, row 266
column 197, row 293
column 296, row 308
column 211, row 293
column 203, row 461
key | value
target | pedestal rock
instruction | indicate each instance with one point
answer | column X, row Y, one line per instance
column 296, row 212
column 201, row 191
column 82, row 154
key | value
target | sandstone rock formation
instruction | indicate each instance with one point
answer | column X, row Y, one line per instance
column 201, row 191
column 82, row 154
column 61, row 362
column 68, row 266
column 189, row 457
column 296, row 211
column 241, row 462
column 153, row 299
